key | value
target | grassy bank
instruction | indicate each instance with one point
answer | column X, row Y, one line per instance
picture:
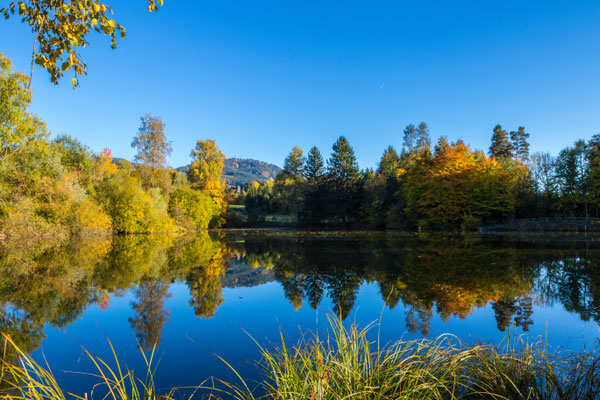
column 345, row 364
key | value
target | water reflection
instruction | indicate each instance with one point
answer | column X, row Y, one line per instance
column 428, row 274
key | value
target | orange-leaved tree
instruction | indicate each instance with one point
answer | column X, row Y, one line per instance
column 456, row 185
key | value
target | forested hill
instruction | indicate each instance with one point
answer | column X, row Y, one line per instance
column 239, row 171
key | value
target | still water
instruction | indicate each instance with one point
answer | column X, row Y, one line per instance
column 204, row 295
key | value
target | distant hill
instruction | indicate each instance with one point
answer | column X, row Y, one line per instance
column 117, row 160
column 239, row 274
column 239, row 171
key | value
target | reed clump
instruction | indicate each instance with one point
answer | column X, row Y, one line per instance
column 346, row 364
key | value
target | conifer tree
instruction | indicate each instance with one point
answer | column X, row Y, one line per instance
column 410, row 139
column 315, row 166
column 441, row 145
column 501, row 148
column 389, row 164
column 423, row 139
column 345, row 187
column 342, row 167
column 520, row 144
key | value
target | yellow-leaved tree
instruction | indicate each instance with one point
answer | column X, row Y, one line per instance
column 207, row 169
column 62, row 28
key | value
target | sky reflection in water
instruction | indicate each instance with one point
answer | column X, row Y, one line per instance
column 197, row 295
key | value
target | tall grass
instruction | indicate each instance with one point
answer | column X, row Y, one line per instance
column 28, row 380
column 346, row 364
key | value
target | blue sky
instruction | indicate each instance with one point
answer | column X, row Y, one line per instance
column 262, row 76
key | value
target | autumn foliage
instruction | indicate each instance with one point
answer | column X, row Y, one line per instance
column 457, row 183
column 59, row 188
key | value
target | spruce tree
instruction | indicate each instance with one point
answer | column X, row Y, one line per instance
column 423, row 139
column 389, row 164
column 294, row 163
column 315, row 166
column 344, row 191
column 342, row 167
column 501, row 148
column 520, row 144
column 315, row 202
column 441, row 145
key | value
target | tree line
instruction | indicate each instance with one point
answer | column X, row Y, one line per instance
column 56, row 188
column 444, row 186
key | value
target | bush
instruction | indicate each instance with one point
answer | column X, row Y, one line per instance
column 193, row 209
column 87, row 217
column 22, row 223
column 132, row 209
column 471, row 223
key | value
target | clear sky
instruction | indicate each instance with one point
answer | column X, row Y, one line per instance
column 262, row 76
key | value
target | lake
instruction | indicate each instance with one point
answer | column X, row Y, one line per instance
column 217, row 292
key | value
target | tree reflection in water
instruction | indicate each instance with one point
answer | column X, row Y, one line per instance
column 428, row 274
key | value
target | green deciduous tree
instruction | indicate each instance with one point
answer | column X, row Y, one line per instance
column 132, row 209
column 19, row 129
column 151, row 143
column 572, row 179
column 194, row 209
column 593, row 162
column 75, row 156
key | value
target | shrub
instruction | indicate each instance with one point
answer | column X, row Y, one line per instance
column 132, row 209
column 87, row 217
column 193, row 209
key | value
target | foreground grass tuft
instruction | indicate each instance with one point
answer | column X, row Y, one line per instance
column 345, row 364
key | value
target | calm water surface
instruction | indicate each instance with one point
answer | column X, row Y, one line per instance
column 196, row 295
